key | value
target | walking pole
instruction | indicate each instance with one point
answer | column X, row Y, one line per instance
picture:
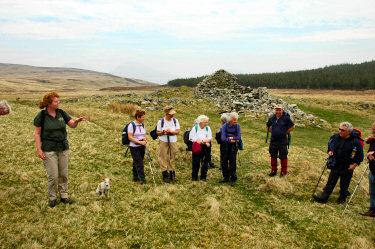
column 364, row 172
column 152, row 163
column 126, row 151
column 149, row 163
column 324, row 169
column 239, row 163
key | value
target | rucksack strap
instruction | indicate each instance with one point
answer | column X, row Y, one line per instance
column 162, row 122
column 196, row 128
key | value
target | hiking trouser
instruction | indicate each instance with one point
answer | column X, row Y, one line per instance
column 345, row 176
column 222, row 155
column 167, row 155
column 197, row 160
column 56, row 164
column 138, row 154
column 229, row 163
column 278, row 150
column 371, row 180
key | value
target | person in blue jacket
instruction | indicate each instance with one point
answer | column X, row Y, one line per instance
column 230, row 137
column 347, row 153
column 280, row 125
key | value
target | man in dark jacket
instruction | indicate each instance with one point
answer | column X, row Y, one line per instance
column 371, row 176
column 347, row 152
column 280, row 125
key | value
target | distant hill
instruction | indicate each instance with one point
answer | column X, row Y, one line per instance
column 343, row 76
column 22, row 78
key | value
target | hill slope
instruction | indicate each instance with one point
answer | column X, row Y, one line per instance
column 344, row 76
column 257, row 212
column 22, row 78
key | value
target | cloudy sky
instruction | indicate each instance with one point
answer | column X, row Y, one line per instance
column 159, row 40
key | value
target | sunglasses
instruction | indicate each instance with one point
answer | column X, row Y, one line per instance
column 342, row 130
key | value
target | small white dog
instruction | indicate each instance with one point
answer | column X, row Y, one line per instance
column 103, row 187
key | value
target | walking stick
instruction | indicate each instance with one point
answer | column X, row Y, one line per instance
column 152, row 163
column 149, row 163
column 126, row 151
column 324, row 169
column 364, row 172
column 239, row 163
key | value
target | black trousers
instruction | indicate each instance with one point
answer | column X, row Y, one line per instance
column 204, row 157
column 229, row 164
column 278, row 150
column 345, row 176
column 138, row 153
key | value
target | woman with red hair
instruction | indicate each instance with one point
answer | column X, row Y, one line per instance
column 52, row 145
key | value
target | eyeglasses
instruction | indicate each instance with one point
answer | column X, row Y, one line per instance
column 342, row 130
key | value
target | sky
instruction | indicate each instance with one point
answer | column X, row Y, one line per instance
column 160, row 40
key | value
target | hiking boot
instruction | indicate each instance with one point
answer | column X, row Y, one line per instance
column 323, row 198
column 341, row 199
column 203, row 178
column 232, row 182
column 165, row 176
column 135, row 179
column 173, row 179
column 66, row 201
column 52, row 203
column 370, row 213
column 272, row 174
column 224, row 180
column 211, row 165
column 282, row 174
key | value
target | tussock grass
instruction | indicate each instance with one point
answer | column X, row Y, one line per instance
column 123, row 108
column 258, row 212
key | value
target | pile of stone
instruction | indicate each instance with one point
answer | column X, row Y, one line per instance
column 222, row 88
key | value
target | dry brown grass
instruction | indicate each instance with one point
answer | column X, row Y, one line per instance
column 123, row 108
column 332, row 95
column 257, row 212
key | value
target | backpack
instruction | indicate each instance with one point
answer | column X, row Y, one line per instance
column 153, row 133
column 125, row 135
column 240, row 143
column 218, row 137
column 189, row 143
column 358, row 134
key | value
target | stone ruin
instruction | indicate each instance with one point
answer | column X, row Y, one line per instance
column 222, row 88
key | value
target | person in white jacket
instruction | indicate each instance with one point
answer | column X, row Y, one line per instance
column 201, row 134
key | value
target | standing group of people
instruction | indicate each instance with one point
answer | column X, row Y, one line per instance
column 344, row 149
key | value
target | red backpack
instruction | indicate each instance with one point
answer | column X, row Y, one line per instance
column 358, row 134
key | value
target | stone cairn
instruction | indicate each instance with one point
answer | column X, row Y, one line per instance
column 222, row 88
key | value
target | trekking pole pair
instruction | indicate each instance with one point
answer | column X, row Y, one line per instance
column 347, row 205
column 151, row 164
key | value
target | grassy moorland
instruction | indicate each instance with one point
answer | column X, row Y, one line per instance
column 258, row 212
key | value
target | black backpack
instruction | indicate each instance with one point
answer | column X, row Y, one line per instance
column 153, row 133
column 189, row 144
column 125, row 136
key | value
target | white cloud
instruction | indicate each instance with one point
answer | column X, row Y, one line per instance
column 188, row 20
